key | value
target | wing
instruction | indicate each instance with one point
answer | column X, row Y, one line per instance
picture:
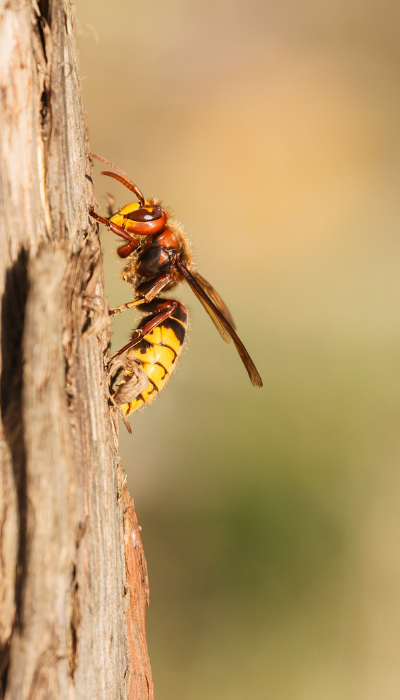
column 208, row 306
column 221, row 323
column 215, row 297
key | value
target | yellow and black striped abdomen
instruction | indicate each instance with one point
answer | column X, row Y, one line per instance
column 157, row 354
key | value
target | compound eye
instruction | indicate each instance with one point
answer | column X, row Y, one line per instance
column 145, row 214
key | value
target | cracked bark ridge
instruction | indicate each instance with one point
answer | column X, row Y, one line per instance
column 73, row 582
column 140, row 679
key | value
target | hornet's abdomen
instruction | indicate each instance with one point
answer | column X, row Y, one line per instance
column 157, row 354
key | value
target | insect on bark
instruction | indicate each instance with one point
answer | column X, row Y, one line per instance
column 158, row 258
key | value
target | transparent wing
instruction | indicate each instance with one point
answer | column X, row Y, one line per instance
column 222, row 324
column 215, row 297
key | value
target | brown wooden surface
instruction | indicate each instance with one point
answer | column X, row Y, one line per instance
column 73, row 582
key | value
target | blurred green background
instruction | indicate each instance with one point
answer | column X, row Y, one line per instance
column 271, row 519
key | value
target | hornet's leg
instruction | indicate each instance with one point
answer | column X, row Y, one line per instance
column 124, row 307
column 159, row 284
column 165, row 309
column 115, row 229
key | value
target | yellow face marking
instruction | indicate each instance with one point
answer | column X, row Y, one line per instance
column 129, row 208
column 119, row 219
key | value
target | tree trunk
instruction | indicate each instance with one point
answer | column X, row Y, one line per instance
column 73, row 584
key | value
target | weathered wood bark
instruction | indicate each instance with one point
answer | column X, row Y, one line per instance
column 73, row 583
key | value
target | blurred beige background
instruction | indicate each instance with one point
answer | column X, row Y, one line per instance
column 271, row 518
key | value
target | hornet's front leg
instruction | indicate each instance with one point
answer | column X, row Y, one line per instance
column 115, row 229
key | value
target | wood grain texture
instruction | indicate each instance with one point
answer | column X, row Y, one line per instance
column 73, row 582
column 140, row 680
